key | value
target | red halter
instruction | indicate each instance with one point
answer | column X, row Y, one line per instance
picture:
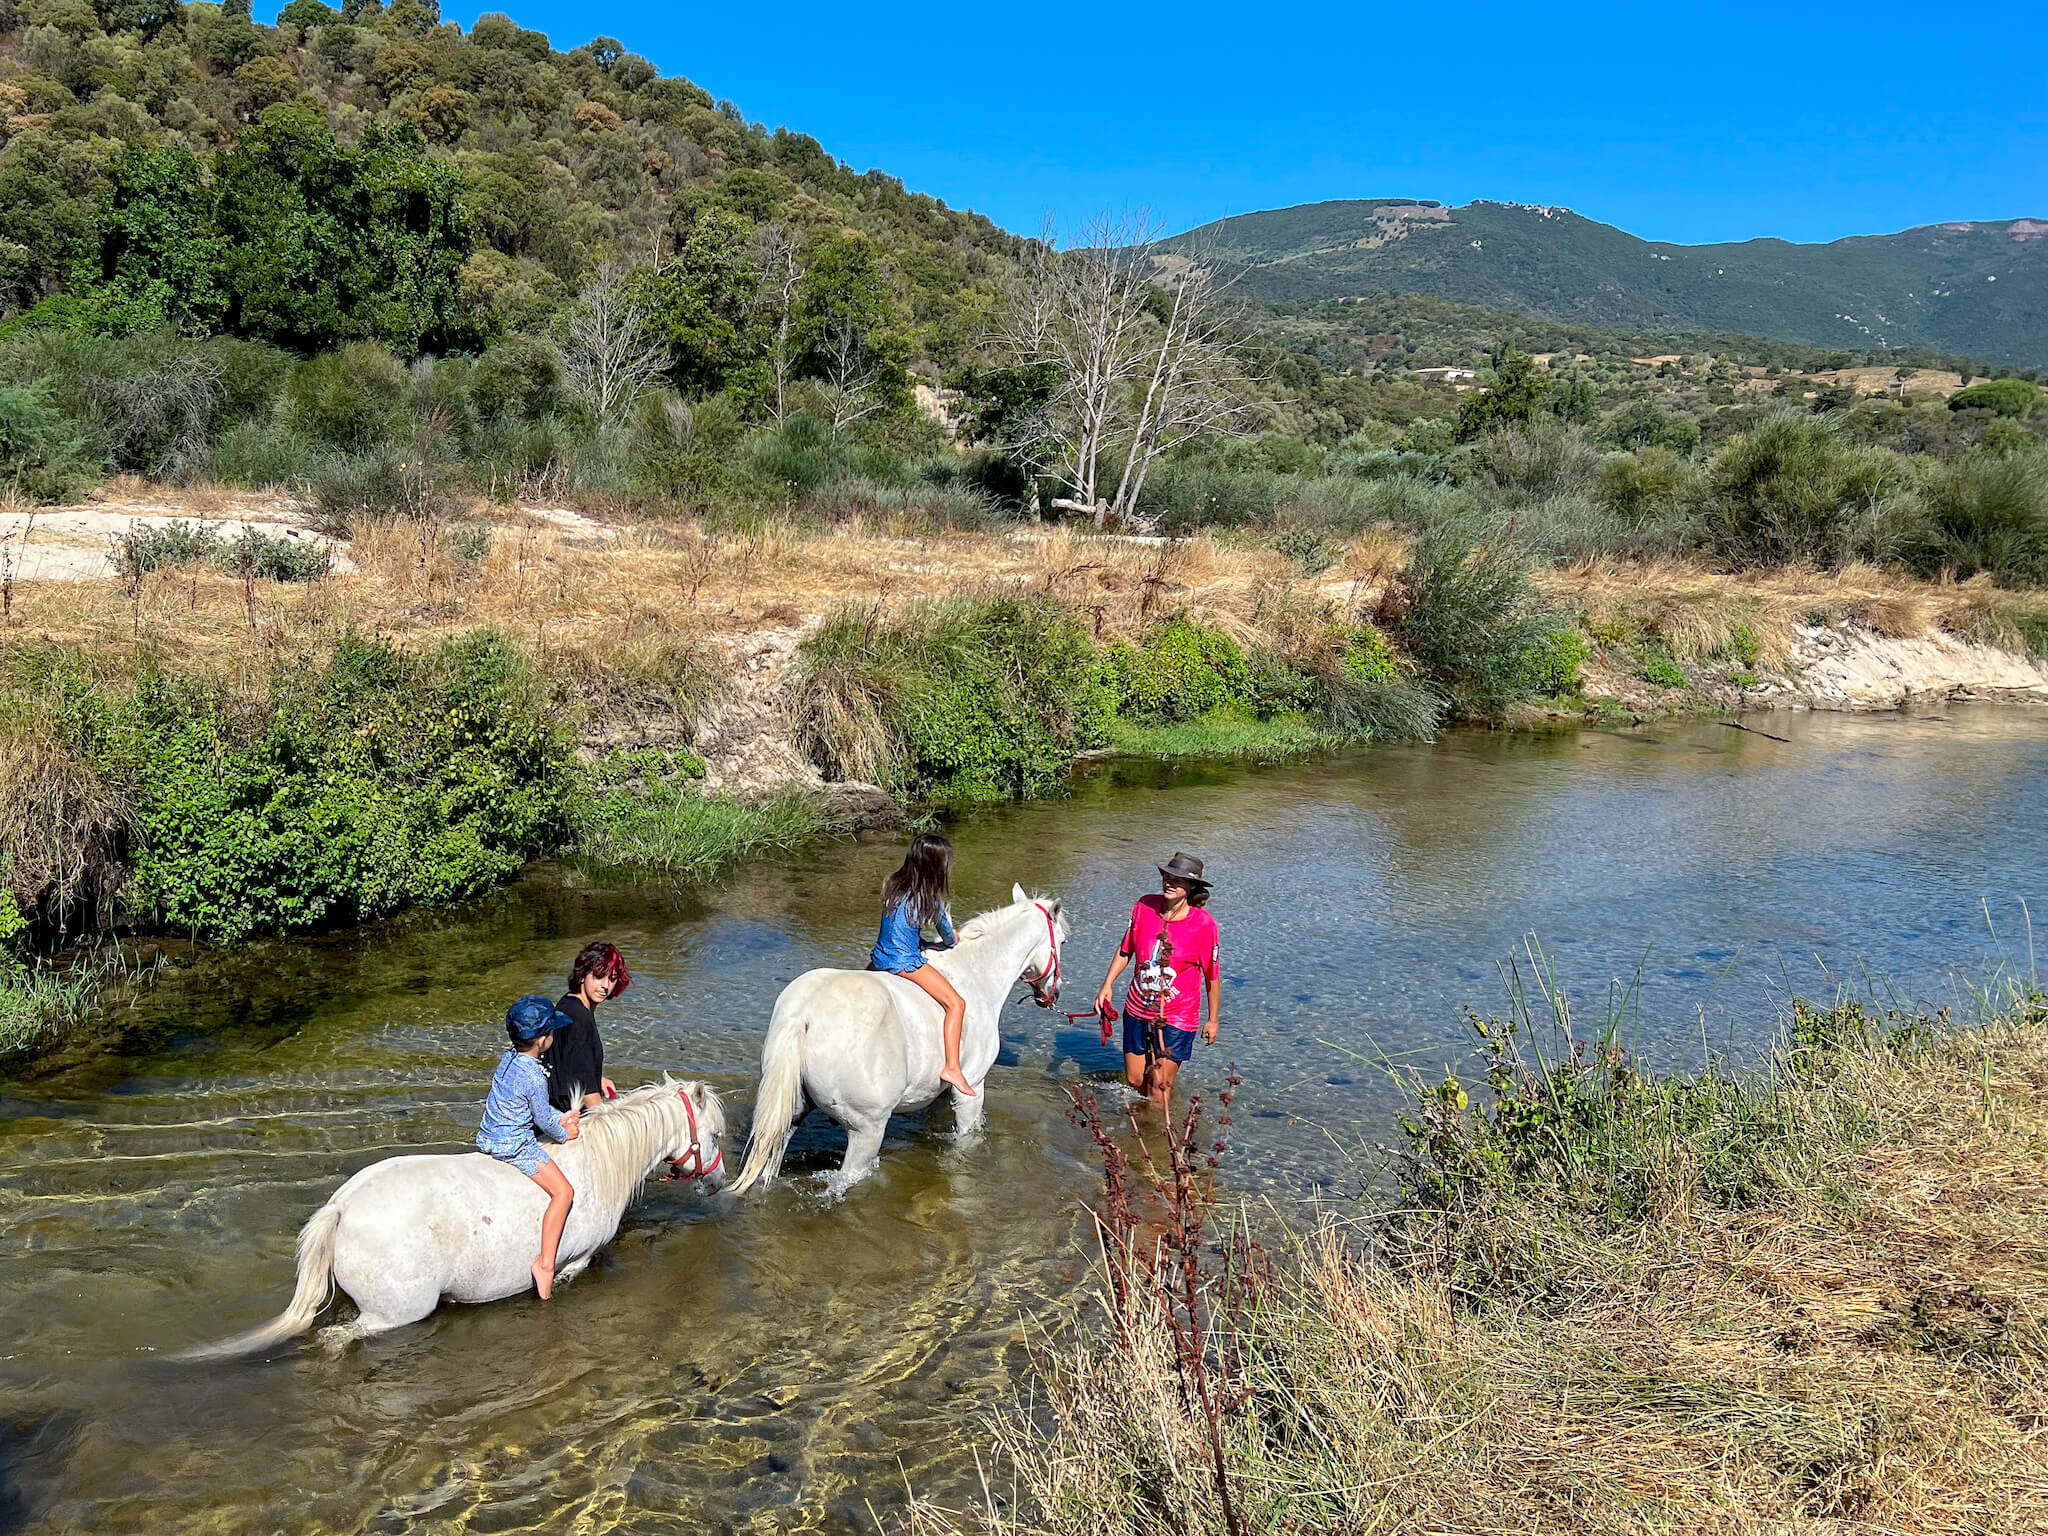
column 694, row 1154
column 1052, row 970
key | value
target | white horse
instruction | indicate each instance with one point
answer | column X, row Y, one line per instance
column 862, row 1045
column 407, row 1232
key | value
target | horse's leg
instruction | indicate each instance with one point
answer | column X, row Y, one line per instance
column 863, row 1149
column 573, row 1268
column 967, row 1112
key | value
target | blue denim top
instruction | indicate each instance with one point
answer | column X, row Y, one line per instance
column 900, row 946
column 518, row 1106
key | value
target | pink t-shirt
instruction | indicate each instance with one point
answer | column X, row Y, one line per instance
column 1171, row 961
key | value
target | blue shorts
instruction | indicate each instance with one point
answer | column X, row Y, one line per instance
column 1174, row 1044
column 526, row 1159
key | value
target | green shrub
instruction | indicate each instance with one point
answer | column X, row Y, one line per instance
column 40, row 456
column 1182, row 670
column 1473, row 619
column 1310, row 551
column 376, row 781
column 799, row 455
column 961, row 698
column 261, row 454
column 1551, row 665
column 1367, row 656
column 1744, row 645
column 150, row 547
column 1792, row 490
column 269, row 557
column 1659, row 668
column 1985, row 513
column 353, row 399
column 373, row 489
column 2008, row 397
column 1542, row 459
column 1180, row 498
column 519, row 379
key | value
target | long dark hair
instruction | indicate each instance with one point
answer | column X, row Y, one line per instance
column 600, row 959
column 924, row 884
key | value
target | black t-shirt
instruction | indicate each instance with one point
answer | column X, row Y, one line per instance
column 575, row 1057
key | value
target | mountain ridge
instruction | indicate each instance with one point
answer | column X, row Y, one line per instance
column 1933, row 285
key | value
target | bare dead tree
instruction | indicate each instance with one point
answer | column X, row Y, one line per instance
column 611, row 352
column 850, row 388
column 1197, row 383
column 1124, row 378
column 775, row 253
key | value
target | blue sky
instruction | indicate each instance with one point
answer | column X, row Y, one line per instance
column 1676, row 123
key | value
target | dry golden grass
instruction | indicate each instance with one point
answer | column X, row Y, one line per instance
column 564, row 591
column 1862, row 1353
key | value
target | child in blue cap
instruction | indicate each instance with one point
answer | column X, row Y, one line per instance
column 516, row 1108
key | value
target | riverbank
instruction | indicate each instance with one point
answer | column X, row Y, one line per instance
column 1602, row 1300
column 452, row 699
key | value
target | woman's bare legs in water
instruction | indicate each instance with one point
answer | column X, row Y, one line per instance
column 560, row 1197
column 941, row 991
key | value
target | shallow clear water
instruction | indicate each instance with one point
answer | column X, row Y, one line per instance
column 787, row 1361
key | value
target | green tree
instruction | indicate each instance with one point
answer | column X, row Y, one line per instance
column 1511, row 400
column 1576, row 400
column 699, row 299
column 327, row 244
column 158, row 259
column 2008, row 397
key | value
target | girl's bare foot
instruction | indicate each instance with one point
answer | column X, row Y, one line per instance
column 544, row 1279
column 958, row 1081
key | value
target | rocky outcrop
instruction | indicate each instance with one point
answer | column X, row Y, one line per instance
column 1854, row 668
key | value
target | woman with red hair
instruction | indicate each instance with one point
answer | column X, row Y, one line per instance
column 576, row 1058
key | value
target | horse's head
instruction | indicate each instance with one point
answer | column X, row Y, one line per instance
column 696, row 1155
column 1042, row 968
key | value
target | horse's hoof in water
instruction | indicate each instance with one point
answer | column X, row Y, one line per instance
column 338, row 1337
column 543, row 1279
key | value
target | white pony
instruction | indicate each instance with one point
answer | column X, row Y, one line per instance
column 862, row 1045
column 406, row 1232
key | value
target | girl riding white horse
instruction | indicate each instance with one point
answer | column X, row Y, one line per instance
column 407, row 1232
column 864, row 1045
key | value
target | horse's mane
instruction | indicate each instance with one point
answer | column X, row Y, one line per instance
column 978, row 926
column 614, row 1138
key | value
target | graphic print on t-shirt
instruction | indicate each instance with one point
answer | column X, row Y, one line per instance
column 1154, row 983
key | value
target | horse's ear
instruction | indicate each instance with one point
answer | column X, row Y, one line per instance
column 1017, row 893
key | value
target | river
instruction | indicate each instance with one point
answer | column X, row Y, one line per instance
column 789, row 1361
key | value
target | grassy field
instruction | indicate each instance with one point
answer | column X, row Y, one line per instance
column 1809, row 1299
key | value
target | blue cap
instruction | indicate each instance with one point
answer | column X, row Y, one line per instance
column 533, row 1016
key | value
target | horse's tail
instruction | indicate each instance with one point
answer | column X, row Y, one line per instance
column 316, row 1285
column 777, row 1105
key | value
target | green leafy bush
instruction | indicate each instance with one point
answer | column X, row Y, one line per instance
column 1659, row 668
column 149, row 547
column 270, row 557
column 1182, row 670
column 376, row 781
column 1551, row 665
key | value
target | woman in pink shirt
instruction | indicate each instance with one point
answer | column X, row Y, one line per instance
column 1173, row 942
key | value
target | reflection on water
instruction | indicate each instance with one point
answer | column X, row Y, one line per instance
column 786, row 1362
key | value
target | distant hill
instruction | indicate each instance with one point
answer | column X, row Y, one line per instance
column 1973, row 288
